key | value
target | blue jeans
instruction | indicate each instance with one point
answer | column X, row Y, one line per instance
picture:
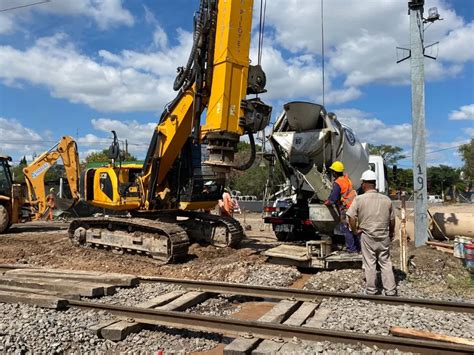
column 352, row 241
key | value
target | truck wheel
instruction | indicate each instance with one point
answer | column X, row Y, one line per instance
column 284, row 236
column 4, row 219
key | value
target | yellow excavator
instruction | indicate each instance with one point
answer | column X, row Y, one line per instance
column 161, row 200
column 35, row 173
column 17, row 206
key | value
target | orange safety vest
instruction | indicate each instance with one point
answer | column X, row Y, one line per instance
column 348, row 194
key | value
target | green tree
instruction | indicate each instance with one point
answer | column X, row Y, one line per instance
column 403, row 180
column 467, row 156
column 389, row 153
column 253, row 180
column 442, row 177
column 102, row 157
column 17, row 171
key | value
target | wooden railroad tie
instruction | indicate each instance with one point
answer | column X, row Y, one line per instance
column 119, row 329
column 51, row 288
column 286, row 312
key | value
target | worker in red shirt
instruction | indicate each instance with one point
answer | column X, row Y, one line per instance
column 342, row 195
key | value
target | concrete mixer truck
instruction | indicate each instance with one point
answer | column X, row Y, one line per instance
column 306, row 140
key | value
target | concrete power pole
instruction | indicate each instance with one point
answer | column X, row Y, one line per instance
column 418, row 116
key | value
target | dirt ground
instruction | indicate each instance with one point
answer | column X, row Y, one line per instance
column 47, row 244
column 44, row 244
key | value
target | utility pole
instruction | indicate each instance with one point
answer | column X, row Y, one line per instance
column 417, row 56
column 418, row 116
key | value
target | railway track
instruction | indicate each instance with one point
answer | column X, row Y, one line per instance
column 269, row 330
column 307, row 295
column 295, row 316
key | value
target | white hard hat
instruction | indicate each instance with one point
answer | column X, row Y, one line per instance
column 368, row 175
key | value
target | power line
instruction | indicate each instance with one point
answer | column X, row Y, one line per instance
column 43, row 142
column 439, row 150
column 23, row 6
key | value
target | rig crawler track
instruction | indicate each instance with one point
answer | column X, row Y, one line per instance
column 216, row 230
column 166, row 242
column 163, row 235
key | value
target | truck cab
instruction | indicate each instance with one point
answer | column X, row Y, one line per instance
column 377, row 165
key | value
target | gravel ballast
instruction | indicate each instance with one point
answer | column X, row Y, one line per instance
column 376, row 319
column 36, row 330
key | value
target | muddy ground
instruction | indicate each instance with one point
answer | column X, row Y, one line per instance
column 47, row 244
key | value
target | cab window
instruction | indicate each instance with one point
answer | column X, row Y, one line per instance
column 5, row 179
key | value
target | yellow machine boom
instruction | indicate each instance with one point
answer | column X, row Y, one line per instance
column 35, row 173
column 215, row 80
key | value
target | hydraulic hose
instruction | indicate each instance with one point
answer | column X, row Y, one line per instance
column 183, row 73
column 253, row 154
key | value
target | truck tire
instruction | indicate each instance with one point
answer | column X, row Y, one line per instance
column 284, row 236
column 4, row 219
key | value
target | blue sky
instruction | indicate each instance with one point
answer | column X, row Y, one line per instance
column 85, row 67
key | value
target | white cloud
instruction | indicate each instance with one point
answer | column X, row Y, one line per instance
column 68, row 74
column 160, row 39
column 137, row 135
column 361, row 41
column 372, row 130
column 359, row 52
column 298, row 76
column 453, row 46
column 106, row 13
column 7, row 23
column 469, row 131
column 341, row 96
column 464, row 113
column 17, row 140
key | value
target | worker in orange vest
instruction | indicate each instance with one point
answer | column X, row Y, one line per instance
column 226, row 204
column 51, row 203
column 342, row 195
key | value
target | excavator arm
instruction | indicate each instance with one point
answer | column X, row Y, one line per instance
column 216, row 78
column 35, row 173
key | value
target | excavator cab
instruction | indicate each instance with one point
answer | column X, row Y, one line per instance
column 117, row 185
column 10, row 196
column 113, row 187
column 5, row 177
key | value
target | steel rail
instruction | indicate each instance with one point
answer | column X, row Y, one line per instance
column 307, row 295
column 269, row 330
